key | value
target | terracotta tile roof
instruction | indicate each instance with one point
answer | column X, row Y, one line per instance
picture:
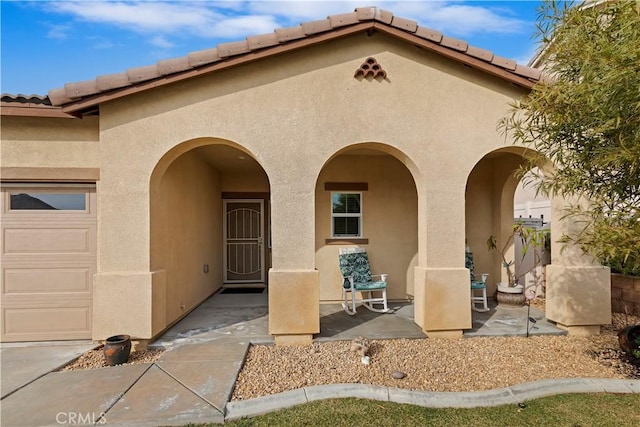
column 80, row 96
column 30, row 106
column 26, row 99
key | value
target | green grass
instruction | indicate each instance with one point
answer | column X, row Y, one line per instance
column 563, row 410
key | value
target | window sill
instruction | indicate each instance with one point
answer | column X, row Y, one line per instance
column 346, row 241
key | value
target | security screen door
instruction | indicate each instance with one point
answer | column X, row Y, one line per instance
column 243, row 241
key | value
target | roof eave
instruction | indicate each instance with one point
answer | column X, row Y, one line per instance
column 459, row 56
column 34, row 111
column 77, row 108
column 82, row 104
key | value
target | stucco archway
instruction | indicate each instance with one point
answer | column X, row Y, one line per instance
column 190, row 187
column 489, row 207
column 383, row 178
column 578, row 293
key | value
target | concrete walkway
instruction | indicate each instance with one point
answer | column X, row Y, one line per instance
column 25, row 363
column 503, row 320
column 193, row 380
column 189, row 384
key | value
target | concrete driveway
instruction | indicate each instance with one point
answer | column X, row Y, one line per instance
column 24, row 363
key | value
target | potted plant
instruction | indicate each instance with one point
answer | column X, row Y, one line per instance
column 530, row 239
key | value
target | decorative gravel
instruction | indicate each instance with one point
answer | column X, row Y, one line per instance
column 466, row 364
column 94, row 359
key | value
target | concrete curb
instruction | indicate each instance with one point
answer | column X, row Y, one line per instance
column 502, row 396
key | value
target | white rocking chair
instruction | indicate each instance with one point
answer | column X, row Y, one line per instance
column 357, row 277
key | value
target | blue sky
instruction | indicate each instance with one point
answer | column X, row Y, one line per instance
column 46, row 44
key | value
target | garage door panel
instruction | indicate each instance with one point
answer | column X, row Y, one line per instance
column 56, row 218
column 46, row 280
column 48, row 264
column 48, row 240
column 49, row 260
column 47, row 323
column 59, row 300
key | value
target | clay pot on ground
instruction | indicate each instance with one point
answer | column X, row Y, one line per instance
column 117, row 349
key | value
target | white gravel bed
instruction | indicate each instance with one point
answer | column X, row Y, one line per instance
column 466, row 364
column 94, row 359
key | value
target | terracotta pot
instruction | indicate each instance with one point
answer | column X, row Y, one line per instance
column 117, row 349
column 628, row 337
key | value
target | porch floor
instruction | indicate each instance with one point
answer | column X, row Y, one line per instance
column 504, row 320
column 245, row 317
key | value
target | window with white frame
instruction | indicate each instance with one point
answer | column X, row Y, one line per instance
column 346, row 214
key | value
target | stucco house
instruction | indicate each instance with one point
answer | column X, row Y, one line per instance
column 221, row 167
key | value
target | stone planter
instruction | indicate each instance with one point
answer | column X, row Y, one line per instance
column 510, row 295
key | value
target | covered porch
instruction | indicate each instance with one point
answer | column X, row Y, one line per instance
column 228, row 315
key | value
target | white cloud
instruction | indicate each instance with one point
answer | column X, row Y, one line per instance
column 235, row 20
column 241, row 26
column 161, row 42
column 141, row 16
column 456, row 18
column 303, row 10
column 465, row 20
column 101, row 43
column 58, row 31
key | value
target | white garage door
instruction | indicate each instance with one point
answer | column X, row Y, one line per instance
column 48, row 261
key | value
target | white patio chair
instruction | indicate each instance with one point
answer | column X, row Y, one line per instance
column 477, row 286
column 357, row 277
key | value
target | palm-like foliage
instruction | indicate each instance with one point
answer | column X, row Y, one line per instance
column 584, row 119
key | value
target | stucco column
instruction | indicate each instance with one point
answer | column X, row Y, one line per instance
column 442, row 292
column 294, row 296
column 578, row 293
column 124, row 287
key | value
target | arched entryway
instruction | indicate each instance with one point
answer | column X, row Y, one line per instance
column 380, row 179
column 209, row 223
column 489, row 208
column 577, row 287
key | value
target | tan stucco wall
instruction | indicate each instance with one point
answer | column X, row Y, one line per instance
column 578, row 292
column 243, row 182
column 187, row 233
column 294, row 313
column 187, row 220
column 489, row 211
column 123, row 304
column 578, row 297
column 446, row 294
column 390, row 222
column 49, row 144
column 293, row 113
